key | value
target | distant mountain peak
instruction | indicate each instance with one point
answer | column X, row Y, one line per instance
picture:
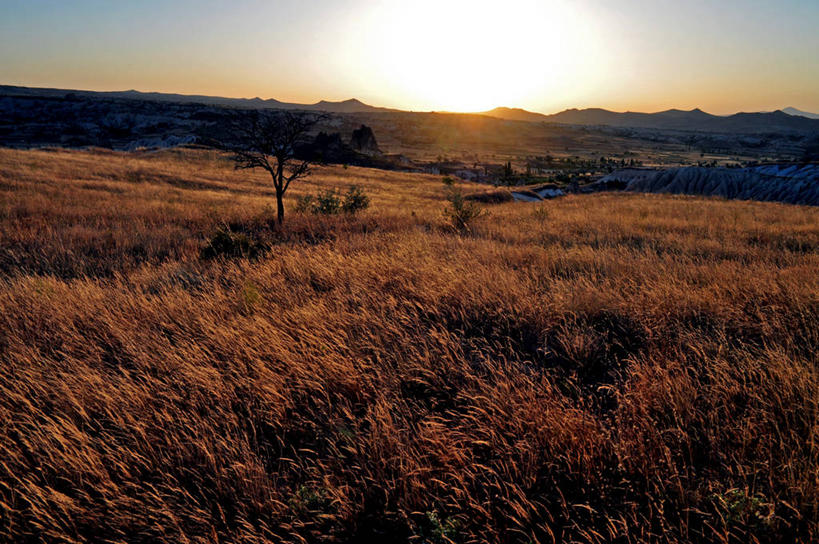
column 348, row 101
column 505, row 108
column 514, row 114
column 790, row 110
column 351, row 105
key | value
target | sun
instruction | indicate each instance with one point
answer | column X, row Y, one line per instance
column 463, row 55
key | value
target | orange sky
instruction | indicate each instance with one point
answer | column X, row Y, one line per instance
column 458, row 55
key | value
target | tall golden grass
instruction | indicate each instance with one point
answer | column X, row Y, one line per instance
column 597, row 368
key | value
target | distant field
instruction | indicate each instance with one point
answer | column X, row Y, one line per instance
column 595, row 368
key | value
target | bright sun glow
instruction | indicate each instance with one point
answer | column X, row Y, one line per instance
column 474, row 55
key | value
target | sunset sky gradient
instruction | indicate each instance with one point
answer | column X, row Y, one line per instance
column 458, row 55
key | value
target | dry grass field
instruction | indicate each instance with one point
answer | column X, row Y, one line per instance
column 598, row 368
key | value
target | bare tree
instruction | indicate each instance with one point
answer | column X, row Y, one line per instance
column 268, row 140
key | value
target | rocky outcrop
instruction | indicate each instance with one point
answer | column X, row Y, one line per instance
column 790, row 183
column 330, row 148
column 326, row 148
column 363, row 141
column 534, row 194
column 548, row 191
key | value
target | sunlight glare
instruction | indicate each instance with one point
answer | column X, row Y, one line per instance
column 473, row 55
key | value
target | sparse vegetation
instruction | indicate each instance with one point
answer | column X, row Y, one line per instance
column 304, row 203
column 267, row 139
column 636, row 368
column 461, row 211
column 331, row 202
column 229, row 243
column 355, row 200
column 327, row 202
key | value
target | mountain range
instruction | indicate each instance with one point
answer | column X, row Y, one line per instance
column 787, row 120
column 346, row 106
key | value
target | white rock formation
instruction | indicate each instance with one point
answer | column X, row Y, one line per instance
column 791, row 183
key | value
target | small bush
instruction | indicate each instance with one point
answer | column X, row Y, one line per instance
column 309, row 499
column 541, row 214
column 304, row 203
column 740, row 507
column 461, row 212
column 448, row 181
column 330, row 202
column 327, row 203
column 435, row 530
column 355, row 200
column 227, row 243
column 250, row 296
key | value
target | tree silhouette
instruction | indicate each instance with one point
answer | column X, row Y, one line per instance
column 268, row 140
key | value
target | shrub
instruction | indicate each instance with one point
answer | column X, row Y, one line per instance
column 227, row 243
column 327, row 203
column 250, row 296
column 740, row 507
column 541, row 214
column 355, row 200
column 461, row 212
column 448, row 181
column 330, row 202
column 435, row 530
column 304, row 203
column 310, row 499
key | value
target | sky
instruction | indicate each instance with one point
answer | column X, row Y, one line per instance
column 456, row 55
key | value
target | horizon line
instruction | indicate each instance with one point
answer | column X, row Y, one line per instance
column 398, row 109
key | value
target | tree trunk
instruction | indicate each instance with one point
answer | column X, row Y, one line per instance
column 279, row 206
column 278, row 183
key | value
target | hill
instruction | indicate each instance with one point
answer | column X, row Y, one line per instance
column 516, row 114
column 800, row 113
column 789, row 183
column 36, row 117
column 612, row 367
column 694, row 120
column 347, row 106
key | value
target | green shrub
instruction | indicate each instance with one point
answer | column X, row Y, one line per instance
column 740, row 507
column 327, row 203
column 541, row 213
column 461, row 212
column 250, row 296
column 304, row 203
column 227, row 243
column 311, row 499
column 355, row 200
column 435, row 530
column 331, row 202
